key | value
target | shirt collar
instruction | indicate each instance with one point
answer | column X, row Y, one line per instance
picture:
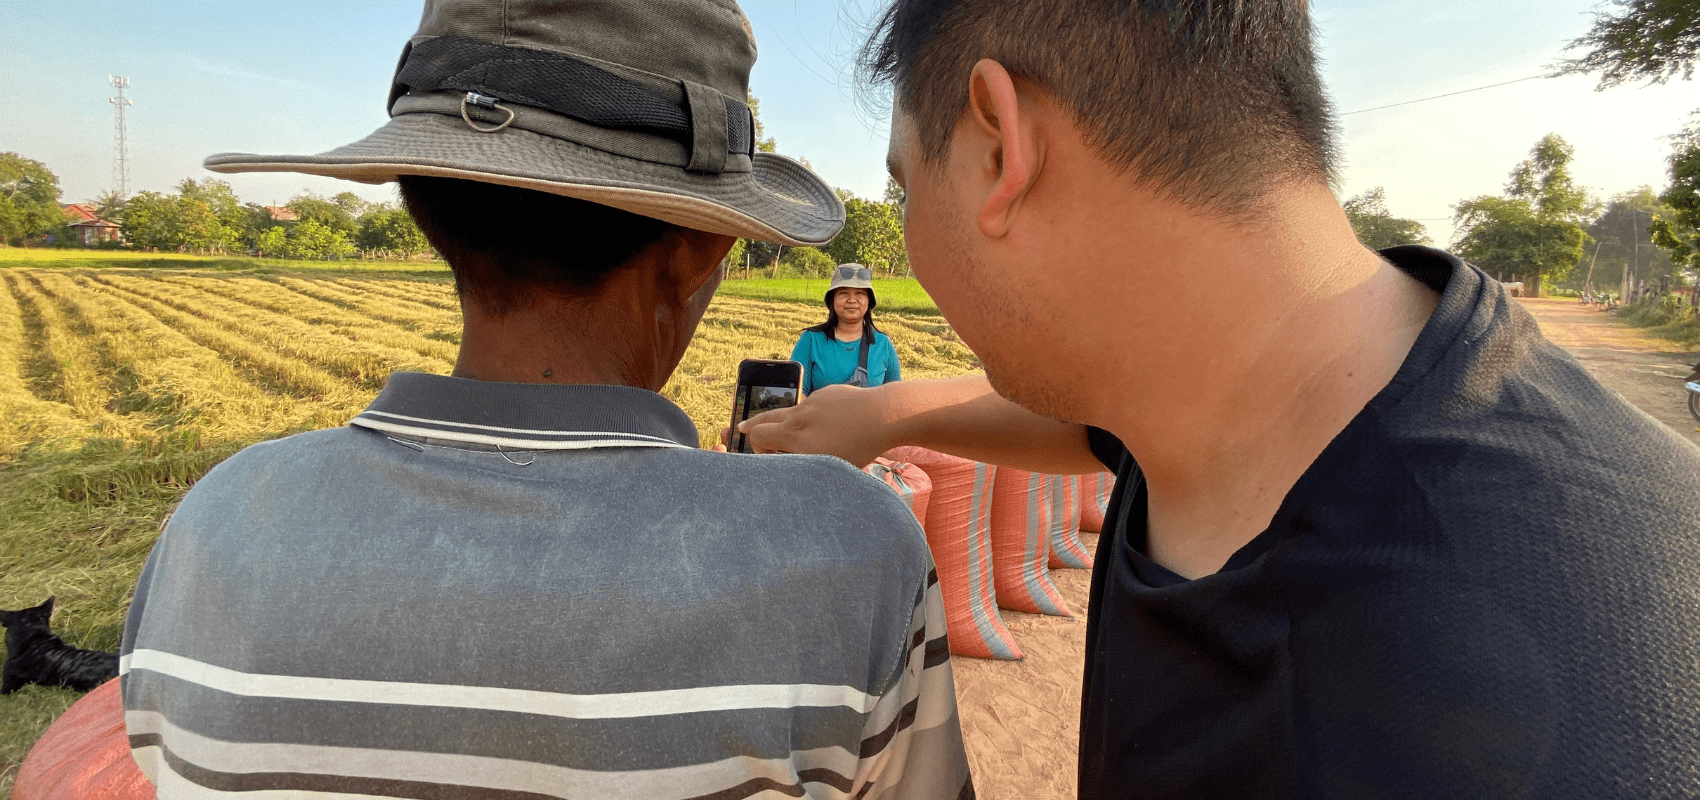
column 531, row 416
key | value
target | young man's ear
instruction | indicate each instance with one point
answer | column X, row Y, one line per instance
column 1008, row 154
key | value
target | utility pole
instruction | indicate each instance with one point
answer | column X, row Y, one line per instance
column 120, row 147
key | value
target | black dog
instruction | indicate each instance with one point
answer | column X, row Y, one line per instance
column 35, row 655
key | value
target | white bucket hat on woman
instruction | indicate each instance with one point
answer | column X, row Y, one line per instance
column 852, row 276
column 636, row 104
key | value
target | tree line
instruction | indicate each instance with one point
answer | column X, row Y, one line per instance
column 1546, row 231
column 207, row 217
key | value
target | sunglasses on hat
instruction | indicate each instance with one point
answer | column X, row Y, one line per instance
column 859, row 273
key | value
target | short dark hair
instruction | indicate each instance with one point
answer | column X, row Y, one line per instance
column 1212, row 101
column 506, row 245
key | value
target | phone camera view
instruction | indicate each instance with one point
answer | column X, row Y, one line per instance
column 763, row 385
column 754, row 400
column 768, row 398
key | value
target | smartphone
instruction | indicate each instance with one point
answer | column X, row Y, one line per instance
column 763, row 385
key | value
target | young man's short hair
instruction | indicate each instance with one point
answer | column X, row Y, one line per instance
column 506, row 245
column 1210, row 100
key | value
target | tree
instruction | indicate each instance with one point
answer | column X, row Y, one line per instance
column 351, row 203
column 808, row 262
column 872, row 236
column 151, row 221
column 29, row 199
column 1653, row 40
column 1624, row 248
column 1535, row 231
column 764, row 143
column 325, row 212
column 110, row 205
column 201, row 227
column 310, row 239
column 1544, row 180
column 392, row 230
column 274, row 240
column 1677, row 232
column 1378, row 228
column 735, row 258
column 894, row 194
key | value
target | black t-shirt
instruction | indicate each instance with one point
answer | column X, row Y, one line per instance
column 1488, row 585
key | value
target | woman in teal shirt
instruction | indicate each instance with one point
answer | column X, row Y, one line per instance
column 831, row 352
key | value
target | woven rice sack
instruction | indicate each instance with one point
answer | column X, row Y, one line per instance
column 958, row 526
column 908, row 480
column 84, row 755
column 1021, row 543
column 1067, row 551
column 1095, row 500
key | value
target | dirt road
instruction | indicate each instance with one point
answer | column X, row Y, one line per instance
column 1648, row 372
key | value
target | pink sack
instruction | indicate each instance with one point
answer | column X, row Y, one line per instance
column 1095, row 500
column 1067, row 551
column 958, row 526
column 84, row 755
column 910, row 482
column 1021, row 543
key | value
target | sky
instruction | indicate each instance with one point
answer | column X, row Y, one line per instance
column 304, row 77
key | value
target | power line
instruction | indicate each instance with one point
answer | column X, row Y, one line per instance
column 1448, row 94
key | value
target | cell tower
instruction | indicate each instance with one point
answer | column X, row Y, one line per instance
column 120, row 148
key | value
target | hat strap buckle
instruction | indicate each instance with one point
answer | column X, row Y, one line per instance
column 484, row 101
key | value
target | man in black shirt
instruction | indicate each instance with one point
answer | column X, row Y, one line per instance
column 1372, row 535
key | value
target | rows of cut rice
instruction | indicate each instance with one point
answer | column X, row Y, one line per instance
column 269, row 297
column 435, row 295
column 405, row 313
column 273, row 371
column 77, row 369
column 361, row 361
column 355, row 364
column 171, row 379
column 28, row 418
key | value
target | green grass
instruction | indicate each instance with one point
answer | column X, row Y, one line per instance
column 68, row 258
column 1678, row 327
column 901, row 295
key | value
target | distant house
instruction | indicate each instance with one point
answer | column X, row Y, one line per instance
column 280, row 213
column 88, row 226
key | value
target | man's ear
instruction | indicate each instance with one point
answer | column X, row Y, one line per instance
column 1012, row 156
column 702, row 256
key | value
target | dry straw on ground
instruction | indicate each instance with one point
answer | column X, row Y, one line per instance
column 119, row 388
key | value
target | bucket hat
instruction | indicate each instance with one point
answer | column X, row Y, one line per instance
column 637, row 104
column 852, row 276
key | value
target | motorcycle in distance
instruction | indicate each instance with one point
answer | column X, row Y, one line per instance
column 1693, row 385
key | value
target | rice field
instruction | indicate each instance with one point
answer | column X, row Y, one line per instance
column 121, row 386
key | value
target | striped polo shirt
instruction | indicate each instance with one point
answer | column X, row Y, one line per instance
column 489, row 590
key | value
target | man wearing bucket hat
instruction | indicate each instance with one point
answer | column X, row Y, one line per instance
column 847, row 349
column 525, row 580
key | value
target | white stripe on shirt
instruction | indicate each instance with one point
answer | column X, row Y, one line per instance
column 626, row 705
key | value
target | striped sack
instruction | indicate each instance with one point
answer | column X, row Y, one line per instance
column 910, row 482
column 1067, row 551
column 958, row 526
column 84, row 755
column 1095, row 500
column 1021, row 543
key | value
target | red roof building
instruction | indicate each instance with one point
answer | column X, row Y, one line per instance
column 87, row 225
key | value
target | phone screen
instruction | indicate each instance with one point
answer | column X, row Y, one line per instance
column 762, row 386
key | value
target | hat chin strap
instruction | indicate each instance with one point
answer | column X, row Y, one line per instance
column 707, row 122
